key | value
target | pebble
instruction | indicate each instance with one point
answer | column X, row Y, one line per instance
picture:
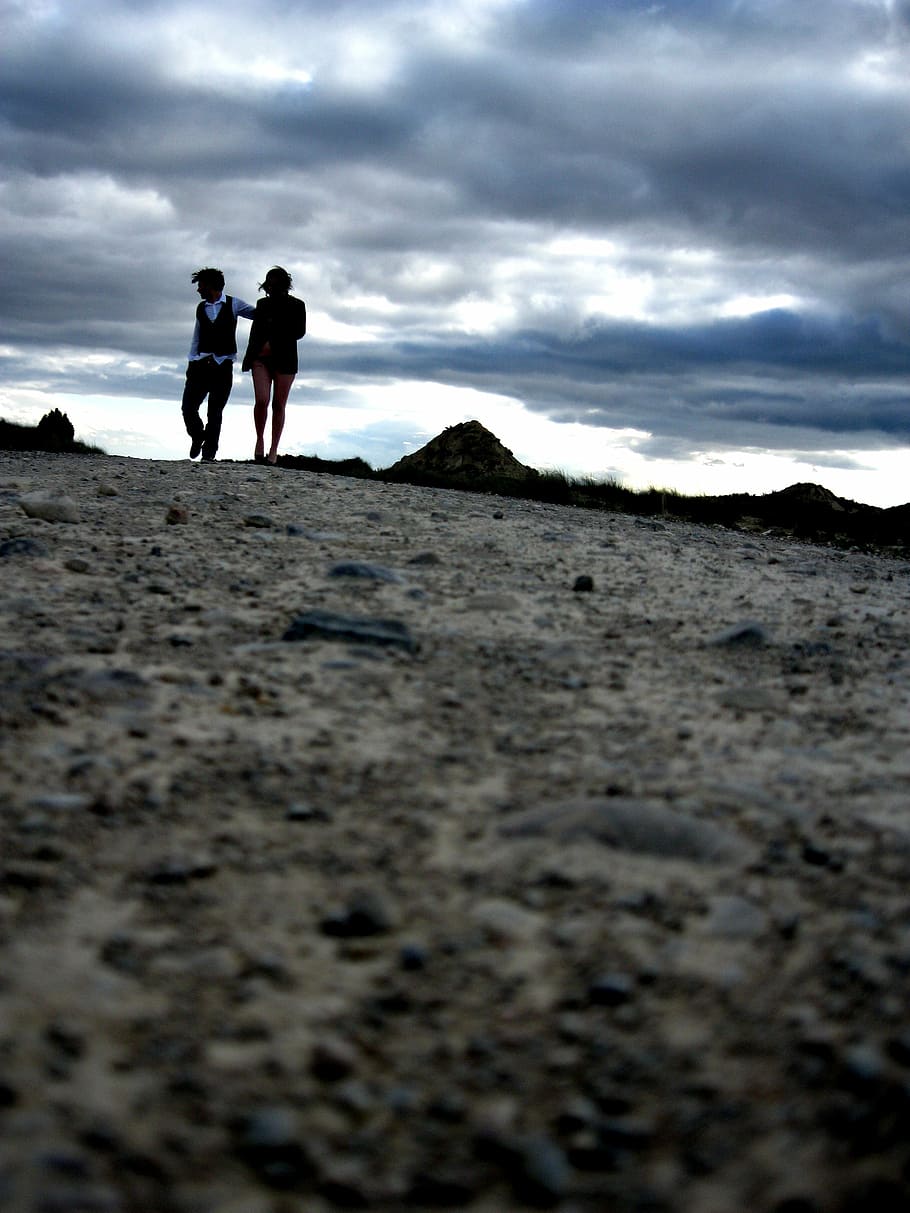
column 538, row 1171
column 583, row 584
column 181, row 870
column 733, row 917
column 332, row 1059
column 267, row 1139
column 646, row 827
column 325, row 625
column 50, row 506
column 363, row 570
column 177, row 515
column 261, row 522
column 746, row 635
column 611, row 990
column 365, row 914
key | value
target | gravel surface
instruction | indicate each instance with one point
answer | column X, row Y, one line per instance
column 376, row 847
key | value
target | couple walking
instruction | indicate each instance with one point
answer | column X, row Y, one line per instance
column 279, row 321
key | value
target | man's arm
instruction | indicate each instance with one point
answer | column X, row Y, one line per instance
column 247, row 310
column 194, row 344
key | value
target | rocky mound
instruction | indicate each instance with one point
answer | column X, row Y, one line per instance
column 467, row 452
column 54, row 432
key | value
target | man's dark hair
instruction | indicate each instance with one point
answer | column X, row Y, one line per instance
column 209, row 277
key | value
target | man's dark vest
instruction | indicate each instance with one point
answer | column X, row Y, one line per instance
column 218, row 336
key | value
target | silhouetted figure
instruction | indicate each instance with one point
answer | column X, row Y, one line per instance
column 210, row 370
column 271, row 356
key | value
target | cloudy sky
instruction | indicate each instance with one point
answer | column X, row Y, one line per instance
column 665, row 241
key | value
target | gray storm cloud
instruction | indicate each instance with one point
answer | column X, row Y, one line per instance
column 689, row 218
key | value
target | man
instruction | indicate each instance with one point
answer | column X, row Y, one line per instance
column 210, row 370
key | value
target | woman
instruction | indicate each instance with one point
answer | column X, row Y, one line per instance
column 271, row 356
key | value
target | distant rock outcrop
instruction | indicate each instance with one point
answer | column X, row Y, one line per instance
column 54, row 432
column 463, row 454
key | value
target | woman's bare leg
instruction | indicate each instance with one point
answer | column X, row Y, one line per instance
column 279, row 403
column 262, row 387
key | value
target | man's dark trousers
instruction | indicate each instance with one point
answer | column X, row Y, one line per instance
column 206, row 377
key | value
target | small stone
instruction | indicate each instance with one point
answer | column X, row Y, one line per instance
column 306, row 812
column 332, row 1059
column 325, row 625
column 107, row 490
column 816, row 855
column 77, row 564
column 413, row 958
column 736, row 918
column 611, row 990
column 261, row 522
column 640, row 826
column 365, row 915
column 746, row 635
column 899, row 1048
column 583, row 584
column 267, row 1140
column 367, row 572
column 50, row 506
column 181, row 871
column 540, row 1173
column 425, row 559
column 177, row 515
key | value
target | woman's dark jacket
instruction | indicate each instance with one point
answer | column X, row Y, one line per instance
column 280, row 320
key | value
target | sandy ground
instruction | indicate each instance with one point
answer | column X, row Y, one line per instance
column 528, row 897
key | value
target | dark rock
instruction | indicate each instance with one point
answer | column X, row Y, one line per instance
column 425, row 559
column 643, row 826
column 816, row 855
column 539, row 1172
column 177, row 515
column 267, row 1140
column 21, row 547
column 9, row 1096
column 262, row 522
column 746, row 635
column 181, row 871
column 626, row 1134
column 324, row 625
column 306, row 812
column 332, row 1059
column 365, row 915
column 363, row 570
column 583, row 584
column 413, row 957
column 899, row 1048
column 440, row 1191
column 611, row 990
